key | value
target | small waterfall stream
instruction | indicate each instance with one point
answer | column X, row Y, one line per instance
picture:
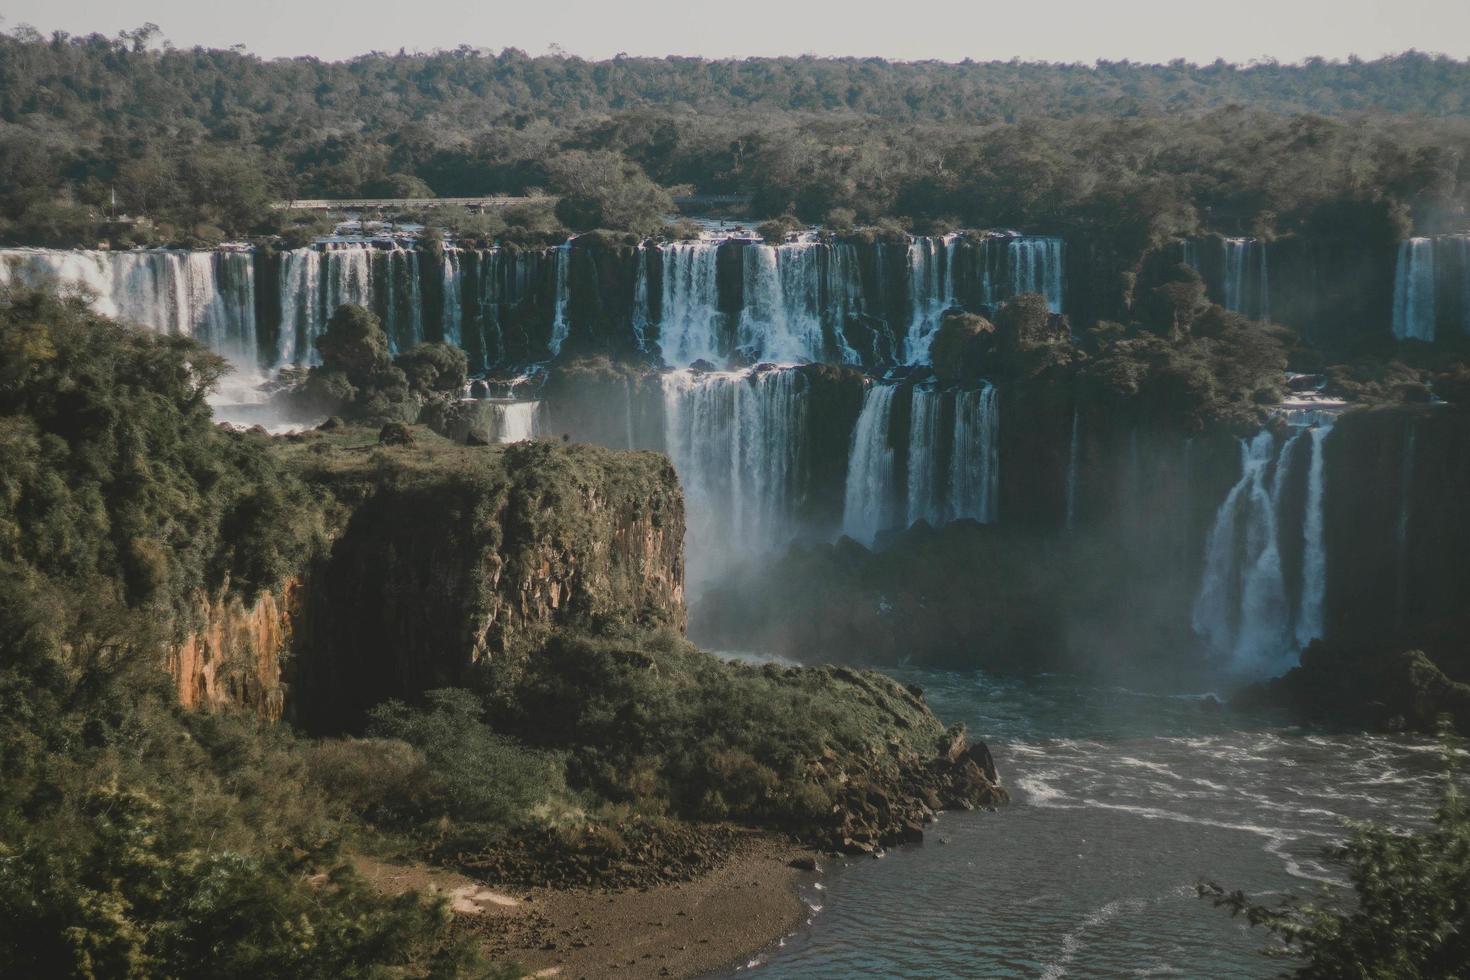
column 1413, row 291
column 1243, row 608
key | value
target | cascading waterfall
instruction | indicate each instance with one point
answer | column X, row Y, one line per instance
column 560, row 329
column 871, row 473
column 1036, row 267
column 795, row 296
column 690, row 322
column 950, row 475
column 925, row 490
column 1246, row 286
column 515, row 421
column 640, row 318
column 931, row 293
column 207, row 295
column 1309, row 619
column 505, row 280
column 737, row 442
column 1413, row 291
column 1240, row 610
column 1189, row 254
column 974, row 483
column 403, row 307
column 1243, row 609
column 452, row 323
column 300, row 289
column 221, row 304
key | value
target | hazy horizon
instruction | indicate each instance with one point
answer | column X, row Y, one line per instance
column 1071, row 31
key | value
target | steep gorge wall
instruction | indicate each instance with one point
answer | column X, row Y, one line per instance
column 441, row 561
column 234, row 658
column 478, row 556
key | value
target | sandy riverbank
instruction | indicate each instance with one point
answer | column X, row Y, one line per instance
column 678, row 930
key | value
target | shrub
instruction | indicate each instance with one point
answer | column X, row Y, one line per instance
column 1410, row 913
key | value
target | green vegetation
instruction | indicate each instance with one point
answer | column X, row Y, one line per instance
column 360, row 380
column 1119, row 151
column 1409, row 917
column 137, row 839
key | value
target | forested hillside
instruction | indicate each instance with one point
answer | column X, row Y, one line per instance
column 201, row 140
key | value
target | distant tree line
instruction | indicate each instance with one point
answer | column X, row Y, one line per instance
column 200, row 141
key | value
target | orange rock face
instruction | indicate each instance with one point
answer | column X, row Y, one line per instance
column 234, row 660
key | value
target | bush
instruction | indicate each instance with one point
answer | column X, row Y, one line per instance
column 477, row 776
column 1410, row 913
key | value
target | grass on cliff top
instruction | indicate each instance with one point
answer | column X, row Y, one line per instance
column 352, row 455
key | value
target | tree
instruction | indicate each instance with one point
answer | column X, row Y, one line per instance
column 1410, row 917
column 600, row 189
column 354, row 344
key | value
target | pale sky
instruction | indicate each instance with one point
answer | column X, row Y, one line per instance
column 1050, row 30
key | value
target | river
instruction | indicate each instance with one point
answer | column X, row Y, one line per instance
column 1122, row 802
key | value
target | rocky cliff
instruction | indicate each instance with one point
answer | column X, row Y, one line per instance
column 446, row 556
column 234, row 658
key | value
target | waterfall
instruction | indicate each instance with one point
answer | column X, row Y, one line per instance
column 1263, row 301
column 1246, row 284
column 515, row 421
column 640, row 317
column 1309, row 619
column 1073, row 451
column 689, row 319
column 403, row 307
column 299, row 286
column 559, row 326
column 931, row 293
column 221, row 305
column 1413, row 291
column 795, row 296
column 1241, row 609
column 925, row 488
column 452, row 322
column 868, row 501
column 737, row 442
column 206, row 295
column 1189, row 254
column 1036, row 267
column 951, row 474
column 974, row 478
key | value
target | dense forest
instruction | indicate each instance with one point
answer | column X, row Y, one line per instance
column 200, row 141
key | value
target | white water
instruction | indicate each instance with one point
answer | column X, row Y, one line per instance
column 515, row 421
column 974, row 485
column 925, row 490
column 868, row 503
column 737, row 440
column 690, row 321
column 560, row 329
column 1036, row 267
column 1314, row 551
column 950, row 474
column 453, row 316
column 206, row 295
column 1246, row 282
column 931, row 293
column 641, row 315
column 1413, row 291
column 1243, row 609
